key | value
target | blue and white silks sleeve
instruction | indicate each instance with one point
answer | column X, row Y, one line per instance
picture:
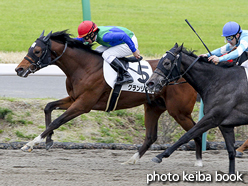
column 241, row 47
column 222, row 50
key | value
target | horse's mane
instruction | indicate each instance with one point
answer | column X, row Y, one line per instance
column 224, row 64
column 189, row 52
column 65, row 37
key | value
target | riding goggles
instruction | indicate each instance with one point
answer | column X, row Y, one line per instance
column 87, row 37
column 230, row 38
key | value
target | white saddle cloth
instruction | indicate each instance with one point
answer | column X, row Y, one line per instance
column 110, row 76
column 245, row 65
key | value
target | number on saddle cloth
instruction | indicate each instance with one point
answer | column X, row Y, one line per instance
column 125, row 61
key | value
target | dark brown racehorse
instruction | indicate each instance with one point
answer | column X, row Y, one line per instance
column 209, row 80
column 88, row 90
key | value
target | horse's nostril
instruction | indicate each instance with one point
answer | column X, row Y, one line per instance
column 19, row 70
column 149, row 84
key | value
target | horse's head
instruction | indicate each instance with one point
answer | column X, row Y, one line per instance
column 38, row 56
column 168, row 69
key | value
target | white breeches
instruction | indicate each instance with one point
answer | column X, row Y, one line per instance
column 119, row 51
column 245, row 64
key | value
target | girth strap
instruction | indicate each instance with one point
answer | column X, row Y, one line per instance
column 113, row 98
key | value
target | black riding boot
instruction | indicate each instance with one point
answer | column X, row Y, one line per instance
column 123, row 75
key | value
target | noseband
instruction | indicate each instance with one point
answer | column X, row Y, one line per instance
column 45, row 58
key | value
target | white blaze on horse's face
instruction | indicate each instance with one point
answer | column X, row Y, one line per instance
column 164, row 55
column 33, row 45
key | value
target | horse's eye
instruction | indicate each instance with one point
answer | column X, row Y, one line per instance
column 167, row 63
column 37, row 53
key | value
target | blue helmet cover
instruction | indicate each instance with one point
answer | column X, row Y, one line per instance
column 231, row 28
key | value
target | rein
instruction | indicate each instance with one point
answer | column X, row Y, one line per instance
column 190, row 66
column 184, row 73
column 60, row 55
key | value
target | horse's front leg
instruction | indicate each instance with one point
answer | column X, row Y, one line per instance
column 181, row 112
column 228, row 134
column 73, row 111
column 206, row 123
column 187, row 123
column 62, row 104
column 152, row 114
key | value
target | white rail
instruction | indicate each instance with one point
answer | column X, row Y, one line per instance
column 51, row 70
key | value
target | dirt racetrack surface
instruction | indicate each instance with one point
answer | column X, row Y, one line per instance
column 101, row 167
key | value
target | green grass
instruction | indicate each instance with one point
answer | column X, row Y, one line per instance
column 157, row 24
column 22, row 135
column 25, row 120
column 4, row 112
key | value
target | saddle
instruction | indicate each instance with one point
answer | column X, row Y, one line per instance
column 135, row 70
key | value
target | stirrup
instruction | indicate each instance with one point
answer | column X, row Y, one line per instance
column 125, row 80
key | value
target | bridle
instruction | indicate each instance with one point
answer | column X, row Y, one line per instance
column 45, row 58
column 174, row 74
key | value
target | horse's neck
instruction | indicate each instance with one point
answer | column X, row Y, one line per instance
column 79, row 61
column 199, row 75
column 153, row 63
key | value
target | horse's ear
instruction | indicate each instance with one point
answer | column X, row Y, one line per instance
column 179, row 49
column 42, row 34
column 176, row 45
column 47, row 36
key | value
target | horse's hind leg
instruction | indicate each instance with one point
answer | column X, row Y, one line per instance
column 152, row 114
column 60, row 104
column 240, row 150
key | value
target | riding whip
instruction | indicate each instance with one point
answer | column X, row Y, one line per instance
column 198, row 36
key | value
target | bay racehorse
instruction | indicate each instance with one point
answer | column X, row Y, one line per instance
column 223, row 91
column 241, row 149
column 88, row 90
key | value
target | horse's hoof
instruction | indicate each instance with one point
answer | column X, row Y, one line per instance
column 129, row 162
column 49, row 145
column 198, row 163
column 239, row 154
column 156, row 160
column 26, row 148
column 133, row 160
